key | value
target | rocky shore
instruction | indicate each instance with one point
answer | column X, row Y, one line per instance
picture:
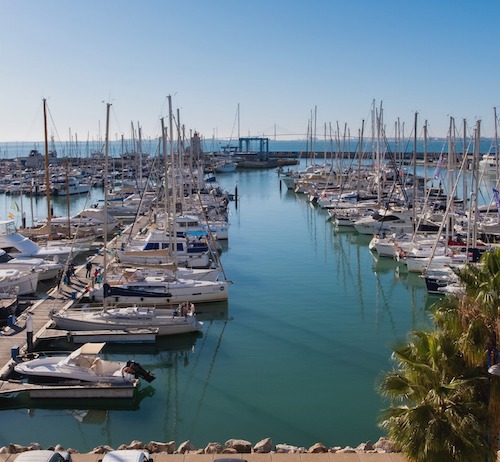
column 231, row 446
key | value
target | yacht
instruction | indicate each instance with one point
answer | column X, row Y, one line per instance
column 16, row 245
column 63, row 187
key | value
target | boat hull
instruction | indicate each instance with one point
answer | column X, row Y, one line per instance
column 166, row 322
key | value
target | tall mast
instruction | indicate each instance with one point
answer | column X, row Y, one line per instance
column 414, row 202
column 106, row 156
column 47, row 176
column 173, row 234
column 497, row 164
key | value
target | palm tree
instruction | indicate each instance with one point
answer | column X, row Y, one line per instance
column 475, row 319
column 440, row 416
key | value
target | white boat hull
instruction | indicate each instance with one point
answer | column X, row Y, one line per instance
column 163, row 320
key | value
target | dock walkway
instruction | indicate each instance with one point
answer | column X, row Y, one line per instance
column 14, row 338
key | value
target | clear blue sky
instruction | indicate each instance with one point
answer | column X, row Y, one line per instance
column 277, row 59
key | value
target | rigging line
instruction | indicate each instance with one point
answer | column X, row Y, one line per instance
column 212, row 247
column 141, row 202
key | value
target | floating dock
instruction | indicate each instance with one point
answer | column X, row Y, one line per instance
column 68, row 391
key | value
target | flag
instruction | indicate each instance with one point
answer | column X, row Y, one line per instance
column 14, row 206
column 11, row 215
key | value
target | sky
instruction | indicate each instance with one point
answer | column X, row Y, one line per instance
column 285, row 64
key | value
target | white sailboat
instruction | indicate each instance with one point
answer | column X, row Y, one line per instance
column 163, row 321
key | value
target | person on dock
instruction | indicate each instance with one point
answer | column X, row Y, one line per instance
column 68, row 275
column 29, row 333
column 88, row 267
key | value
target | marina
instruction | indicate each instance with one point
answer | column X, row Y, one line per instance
column 295, row 351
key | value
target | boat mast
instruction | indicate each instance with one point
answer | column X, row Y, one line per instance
column 172, row 230
column 414, row 201
column 47, row 176
column 497, row 163
column 106, row 154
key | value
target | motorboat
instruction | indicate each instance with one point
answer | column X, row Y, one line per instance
column 82, row 365
column 157, row 247
column 89, row 221
column 21, row 282
column 226, row 166
column 8, row 305
column 387, row 221
column 46, row 269
column 17, row 245
column 62, row 186
column 164, row 321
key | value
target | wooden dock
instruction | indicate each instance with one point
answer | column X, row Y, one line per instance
column 108, row 336
column 68, row 391
column 13, row 339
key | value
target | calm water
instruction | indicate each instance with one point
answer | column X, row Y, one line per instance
column 294, row 355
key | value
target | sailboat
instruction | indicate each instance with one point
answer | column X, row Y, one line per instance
column 162, row 321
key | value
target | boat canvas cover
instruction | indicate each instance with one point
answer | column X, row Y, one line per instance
column 91, row 348
column 86, row 349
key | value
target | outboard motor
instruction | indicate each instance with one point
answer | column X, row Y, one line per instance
column 140, row 372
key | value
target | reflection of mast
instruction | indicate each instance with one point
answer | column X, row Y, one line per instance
column 210, row 369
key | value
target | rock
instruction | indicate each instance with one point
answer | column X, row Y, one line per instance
column 155, row 447
column 366, row 447
column 58, row 447
column 103, row 449
column 38, row 446
column 385, row 445
column 213, row 448
column 241, row 446
column 318, row 448
column 185, row 447
column 72, row 451
column 16, row 448
column 347, row 450
column 229, row 451
column 263, row 446
column 135, row 445
column 289, row 449
column 3, row 450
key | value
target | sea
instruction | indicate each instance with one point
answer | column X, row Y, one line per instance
column 294, row 355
